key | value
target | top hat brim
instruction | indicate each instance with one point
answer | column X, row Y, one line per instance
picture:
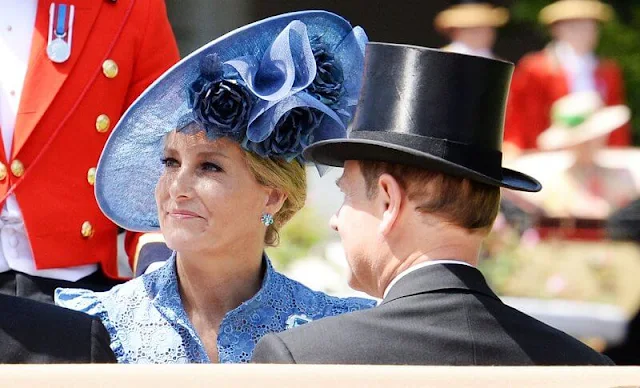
column 335, row 152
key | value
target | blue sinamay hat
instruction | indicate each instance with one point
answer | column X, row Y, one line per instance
column 275, row 86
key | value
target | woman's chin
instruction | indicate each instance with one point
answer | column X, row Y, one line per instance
column 183, row 241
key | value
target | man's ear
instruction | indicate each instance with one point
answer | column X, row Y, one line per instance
column 390, row 197
column 275, row 200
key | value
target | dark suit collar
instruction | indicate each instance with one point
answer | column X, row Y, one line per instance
column 440, row 277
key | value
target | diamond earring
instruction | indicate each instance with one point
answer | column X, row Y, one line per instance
column 267, row 219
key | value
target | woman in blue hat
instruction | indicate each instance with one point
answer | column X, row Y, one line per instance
column 211, row 155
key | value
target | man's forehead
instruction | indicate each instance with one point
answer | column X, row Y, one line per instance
column 351, row 175
column 351, row 167
column 349, row 171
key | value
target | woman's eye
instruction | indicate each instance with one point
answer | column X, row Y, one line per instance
column 208, row 166
column 169, row 162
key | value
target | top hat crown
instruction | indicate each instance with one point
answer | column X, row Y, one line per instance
column 433, row 109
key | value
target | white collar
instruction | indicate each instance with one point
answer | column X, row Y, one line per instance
column 573, row 62
column 417, row 267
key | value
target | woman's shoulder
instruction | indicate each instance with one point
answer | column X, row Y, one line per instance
column 122, row 296
column 100, row 303
column 134, row 293
column 121, row 309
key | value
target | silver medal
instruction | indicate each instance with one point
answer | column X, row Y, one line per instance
column 60, row 35
column 58, row 50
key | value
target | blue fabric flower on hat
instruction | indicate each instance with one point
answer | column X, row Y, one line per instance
column 220, row 105
column 278, row 104
column 223, row 105
column 328, row 85
column 292, row 133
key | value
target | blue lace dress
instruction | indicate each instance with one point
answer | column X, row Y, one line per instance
column 148, row 324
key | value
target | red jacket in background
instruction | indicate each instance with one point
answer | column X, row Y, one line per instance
column 538, row 81
column 57, row 139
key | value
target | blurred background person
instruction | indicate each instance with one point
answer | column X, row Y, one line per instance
column 574, row 254
column 471, row 26
column 68, row 72
column 584, row 181
column 586, row 188
column 567, row 65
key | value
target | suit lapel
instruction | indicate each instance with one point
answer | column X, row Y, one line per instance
column 44, row 78
column 440, row 277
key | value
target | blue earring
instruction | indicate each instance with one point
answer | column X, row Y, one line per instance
column 267, row 219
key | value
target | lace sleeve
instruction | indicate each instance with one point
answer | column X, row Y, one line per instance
column 89, row 302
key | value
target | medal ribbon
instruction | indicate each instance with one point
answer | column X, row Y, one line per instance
column 60, row 25
column 62, row 16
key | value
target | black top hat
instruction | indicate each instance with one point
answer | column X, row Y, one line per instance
column 433, row 109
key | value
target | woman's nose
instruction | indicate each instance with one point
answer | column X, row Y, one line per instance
column 181, row 185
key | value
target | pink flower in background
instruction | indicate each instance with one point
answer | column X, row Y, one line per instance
column 500, row 223
column 556, row 284
column 530, row 238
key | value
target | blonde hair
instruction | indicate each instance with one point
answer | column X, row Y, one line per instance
column 290, row 178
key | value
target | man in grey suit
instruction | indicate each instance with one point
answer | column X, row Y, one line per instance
column 422, row 177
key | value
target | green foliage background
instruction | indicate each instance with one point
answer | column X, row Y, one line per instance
column 298, row 237
column 619, row 40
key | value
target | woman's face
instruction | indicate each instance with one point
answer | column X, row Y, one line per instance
column 208, row 199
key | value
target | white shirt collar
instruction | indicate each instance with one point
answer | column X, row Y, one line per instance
column 580, row 69
column 573, row 62
column 417, row 267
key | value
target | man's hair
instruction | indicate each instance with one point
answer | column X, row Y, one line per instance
column 462, row 202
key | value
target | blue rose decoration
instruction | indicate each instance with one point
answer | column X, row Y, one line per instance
column 222, row 106
column 292, row 133
column 300, row 90
column 328, row 83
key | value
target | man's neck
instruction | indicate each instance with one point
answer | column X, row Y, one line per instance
column 458, row 248
column 420, row 266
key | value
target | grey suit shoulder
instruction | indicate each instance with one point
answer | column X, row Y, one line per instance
column 438, row 315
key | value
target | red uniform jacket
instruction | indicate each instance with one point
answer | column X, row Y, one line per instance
column 538, row 81
column 56, row 137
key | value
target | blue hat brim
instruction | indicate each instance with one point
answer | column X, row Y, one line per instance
column 130, row 165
